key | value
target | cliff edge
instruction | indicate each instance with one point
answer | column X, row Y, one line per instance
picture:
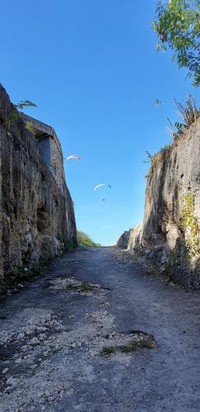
column 36, row 210
column 170, row 232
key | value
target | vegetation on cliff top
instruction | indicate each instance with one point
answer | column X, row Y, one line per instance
column 189, row 113
column 85, row 240
column 24, row 103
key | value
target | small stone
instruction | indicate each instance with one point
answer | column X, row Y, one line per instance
column 20, row 335
column 34, row 341
column 58, row 328
column 11, row 381
column 33, row 366
column 28, row 332
column 41, row 329
column 42, row 336
column 4, row 371
column 18, row 361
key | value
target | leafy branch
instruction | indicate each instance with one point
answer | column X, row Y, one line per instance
column 25, row 103
column 177, row 25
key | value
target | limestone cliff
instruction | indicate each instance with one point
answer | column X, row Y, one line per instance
column 36, row 210
column 170, row 233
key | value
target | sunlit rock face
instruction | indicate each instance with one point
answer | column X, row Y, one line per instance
column 170, row 232
column 122, row 241
column 36, row 210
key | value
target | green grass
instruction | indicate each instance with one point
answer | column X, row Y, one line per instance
column 82, row 287
column 108, row 350
column 130, row 346
column 69, row 245
column 20, row 276
column 85, row 240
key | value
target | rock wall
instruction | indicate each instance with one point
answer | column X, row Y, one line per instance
column 36, row 210
column 170, row 233
column 123, row 240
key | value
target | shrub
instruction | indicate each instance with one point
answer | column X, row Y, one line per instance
column 85, row 240
column 189, row 113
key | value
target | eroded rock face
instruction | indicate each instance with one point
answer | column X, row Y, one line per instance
column 172, row 207
column 36, row 213
column 135, row 237
column 122, row 241
column 170, row 233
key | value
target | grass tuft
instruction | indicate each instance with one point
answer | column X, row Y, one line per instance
column 81, row 287
column 108, row 350
column 130, row 346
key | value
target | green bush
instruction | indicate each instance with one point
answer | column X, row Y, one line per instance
column 85, row 240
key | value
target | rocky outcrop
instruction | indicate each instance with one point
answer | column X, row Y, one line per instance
column 122, row 241
column 36, row 210
column 170, row 233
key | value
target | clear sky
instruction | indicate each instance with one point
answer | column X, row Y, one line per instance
column 92, row 68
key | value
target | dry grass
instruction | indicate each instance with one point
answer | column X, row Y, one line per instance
column 141, row 340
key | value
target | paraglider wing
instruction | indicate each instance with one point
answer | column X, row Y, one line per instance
column 72, row 157
column 100, row 185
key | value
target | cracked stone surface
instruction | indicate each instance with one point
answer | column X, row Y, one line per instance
column 57, row 337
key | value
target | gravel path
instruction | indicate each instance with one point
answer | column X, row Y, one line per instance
column 97, row 334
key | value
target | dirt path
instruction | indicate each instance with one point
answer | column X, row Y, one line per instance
column 68, row 340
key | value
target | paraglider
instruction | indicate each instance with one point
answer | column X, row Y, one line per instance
column 101, row 185
column 73, row 156
column 104, row 187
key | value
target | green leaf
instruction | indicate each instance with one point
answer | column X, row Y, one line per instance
column 177, row 25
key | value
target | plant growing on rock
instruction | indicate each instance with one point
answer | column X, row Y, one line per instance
column 157, row 158
column 25, row 103
column 189, row 113
column 29, row 126
column 189, row 225
column 14, row 115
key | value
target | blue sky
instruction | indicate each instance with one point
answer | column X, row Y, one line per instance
column 92, row 68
